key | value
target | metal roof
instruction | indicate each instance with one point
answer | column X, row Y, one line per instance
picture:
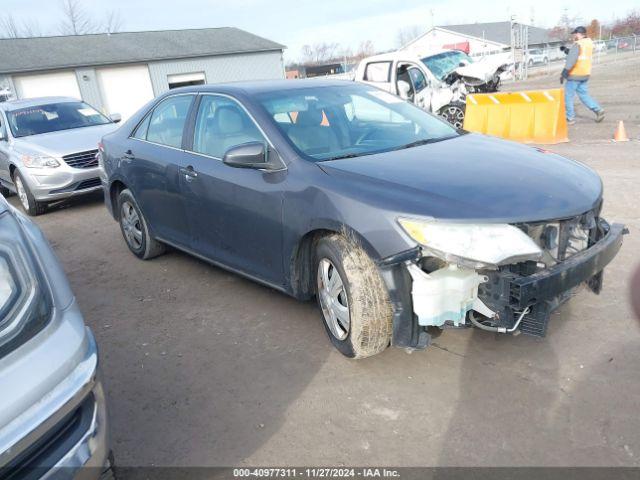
column 499, row 32
column 51, row 53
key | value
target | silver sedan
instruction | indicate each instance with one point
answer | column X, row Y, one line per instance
column 48, row 149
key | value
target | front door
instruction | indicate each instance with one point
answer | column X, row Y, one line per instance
column 235, row 213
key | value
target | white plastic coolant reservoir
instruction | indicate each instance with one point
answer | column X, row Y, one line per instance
column 444, row 295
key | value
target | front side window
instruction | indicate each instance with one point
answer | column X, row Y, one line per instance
column 221, row 124
column 53, row 117
column 168, row 120
column 326, row 123
column 418, row 79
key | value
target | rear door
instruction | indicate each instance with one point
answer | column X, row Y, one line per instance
column 235, row 213
column 154, row 165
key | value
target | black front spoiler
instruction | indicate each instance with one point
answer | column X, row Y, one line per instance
column 581, row 267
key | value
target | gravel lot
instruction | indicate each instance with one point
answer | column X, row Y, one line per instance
column 203, row 367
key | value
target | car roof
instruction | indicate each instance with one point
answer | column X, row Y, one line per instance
column 404, row 55
column 262, row 86
column 34, row 102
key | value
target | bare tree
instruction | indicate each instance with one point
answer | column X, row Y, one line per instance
column 76, row 20
column 405, row 35
column 318, row 53
column 113, row 22
column 11, row 28
column 8, row 27
column 365, row 49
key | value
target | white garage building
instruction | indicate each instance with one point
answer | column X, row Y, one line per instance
column 120, row 72
column 477, row 38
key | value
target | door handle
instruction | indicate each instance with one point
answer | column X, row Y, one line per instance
column 189, row 173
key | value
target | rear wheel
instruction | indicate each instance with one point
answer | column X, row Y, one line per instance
column 454, row 114
column 135, row 229
column 27, row 200
column 353, row 299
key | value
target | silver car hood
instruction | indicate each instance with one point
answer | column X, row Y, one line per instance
column 64, row 142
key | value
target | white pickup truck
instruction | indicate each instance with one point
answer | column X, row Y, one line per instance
column 438, row 82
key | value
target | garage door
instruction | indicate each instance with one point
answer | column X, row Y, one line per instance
column 47, row 84
column 125, row 89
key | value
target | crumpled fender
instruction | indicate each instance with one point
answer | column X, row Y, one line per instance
column 441, row 97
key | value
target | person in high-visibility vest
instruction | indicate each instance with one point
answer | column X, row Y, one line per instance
column 576, row 72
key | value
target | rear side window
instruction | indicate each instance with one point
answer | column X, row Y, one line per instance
column 141, row 132
column 167, row 121
column 378, row 72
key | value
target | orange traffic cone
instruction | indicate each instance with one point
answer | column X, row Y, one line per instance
column 620, row 134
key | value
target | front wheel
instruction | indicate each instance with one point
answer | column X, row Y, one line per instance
column 353, row 299
column 454, row 114
column 27, row 200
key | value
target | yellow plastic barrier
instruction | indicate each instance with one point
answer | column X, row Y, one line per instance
column 535, row 116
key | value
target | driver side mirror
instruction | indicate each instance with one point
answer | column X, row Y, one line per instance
column 252, row 155
column 115, row 117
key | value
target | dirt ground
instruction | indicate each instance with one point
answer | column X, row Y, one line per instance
column 203, row 367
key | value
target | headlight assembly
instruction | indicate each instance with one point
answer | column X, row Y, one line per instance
column 25, row 304
column 38, row 161
column 474, row 245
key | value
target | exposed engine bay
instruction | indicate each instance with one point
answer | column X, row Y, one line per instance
column 477, row 77
column 519, row 296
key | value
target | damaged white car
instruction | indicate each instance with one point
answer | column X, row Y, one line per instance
column 438, row 83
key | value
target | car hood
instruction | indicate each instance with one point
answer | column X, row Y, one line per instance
column 471, row 177
column 64, row 142
column 482, row 70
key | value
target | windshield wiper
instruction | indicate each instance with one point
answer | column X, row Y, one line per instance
column 340, row 157
column 417, row 143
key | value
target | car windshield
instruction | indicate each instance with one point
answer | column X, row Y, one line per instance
column 328, row 123
column 53, row 117
column 444, row 63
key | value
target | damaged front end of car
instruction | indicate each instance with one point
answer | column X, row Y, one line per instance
column 504, row 278
column 478, row 77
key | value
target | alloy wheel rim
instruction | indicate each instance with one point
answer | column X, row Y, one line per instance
column 333, row 299
column 22, row 193
column 131, row 225
column 455, row 116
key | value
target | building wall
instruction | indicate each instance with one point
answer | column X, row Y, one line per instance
column 7, row 82
column 89, row 88
column 436, row 38
column 222, row 68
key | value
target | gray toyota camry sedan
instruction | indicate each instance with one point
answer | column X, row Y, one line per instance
column 397, row 222
column 48, row 149
column 53, row 419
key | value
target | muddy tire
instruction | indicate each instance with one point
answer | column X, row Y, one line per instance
column 135, row 229
column 355, row 304
column 453, row 113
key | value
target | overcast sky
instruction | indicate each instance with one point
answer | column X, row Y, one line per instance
column 298, row 22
